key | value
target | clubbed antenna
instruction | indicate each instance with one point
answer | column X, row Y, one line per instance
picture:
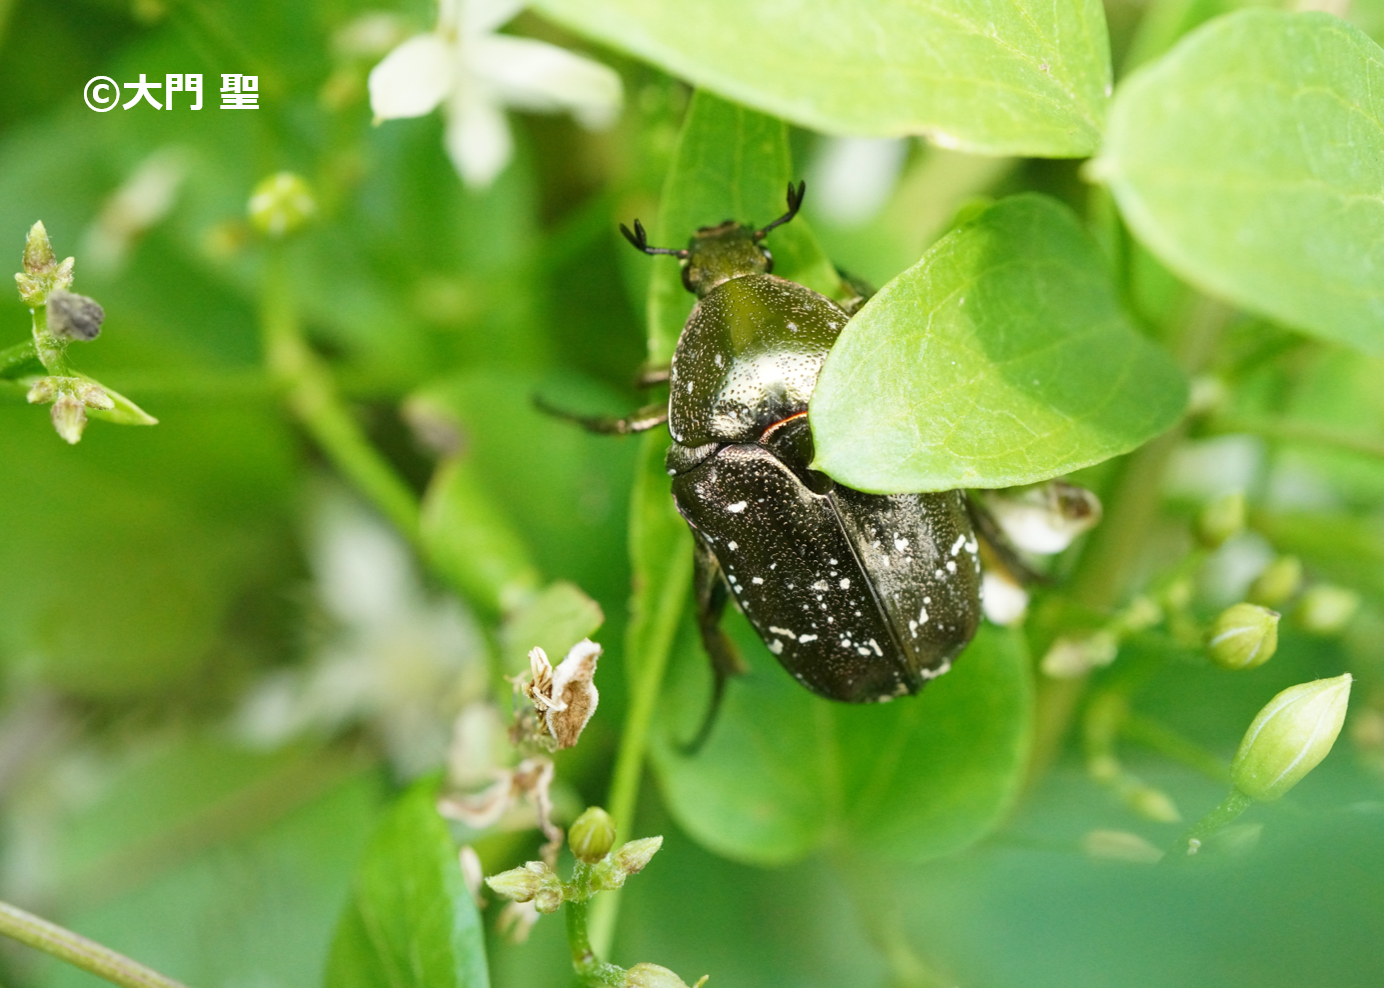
column 640, row 239
column 795, row 202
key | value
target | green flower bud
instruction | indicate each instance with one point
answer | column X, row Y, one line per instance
column 1221, row 519
column 74, row 317
column 1326, row 610
column 634, row 856
column 548, row 899
column 1279, row 583
column 1244, row 636
column 592, row 835
column 1151, row 804
column 281, row 204
column 522, row 884
column 1290, row 737
column 654, row 976
column 42, row 273
column 69, row 418
column 1077, row 654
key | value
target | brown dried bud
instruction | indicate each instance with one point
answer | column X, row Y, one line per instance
column 74, row 317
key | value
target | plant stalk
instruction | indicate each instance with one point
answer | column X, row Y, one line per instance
column 634, row 738
column 312, row 395
column 1217, row 820
column 78, row 951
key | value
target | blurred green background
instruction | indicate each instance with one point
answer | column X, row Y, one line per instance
column 217, row 664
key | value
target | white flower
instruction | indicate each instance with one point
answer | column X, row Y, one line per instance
column 474, row 74
column 398, row 660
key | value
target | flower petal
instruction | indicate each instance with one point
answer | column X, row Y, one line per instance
column 477, row 139
column 412, row 79
column 484, row 16
column 536, row 76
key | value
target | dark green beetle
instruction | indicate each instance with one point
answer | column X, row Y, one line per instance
column 861, row 597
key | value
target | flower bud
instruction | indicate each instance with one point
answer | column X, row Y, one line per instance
column 520, row 884
column 592, row 835
column 69, row 417
column 1221, row 519
column 281, row 204
column 634, row 856
column 1075, row 655
column 548, row 900
column 42, row 273
column 1290, row 737
column 1326, row 610
column 1151, row 804
column 74, row 317
column 1278, row 583
column 654, row 976
column 1243, row 636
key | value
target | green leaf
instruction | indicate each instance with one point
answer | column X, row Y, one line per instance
column 1001, row 358
column 1250, row 160
column 786, row 773
column 730, row 163
column 411, row 922
column 125, row 411
column 554, row 619
column 992, row 76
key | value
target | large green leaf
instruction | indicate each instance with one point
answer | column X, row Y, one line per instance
column 1001, row 358
column 1250, row 159
column 786, row 773
column 991, row 76
column 411, row 922
column 730, row 163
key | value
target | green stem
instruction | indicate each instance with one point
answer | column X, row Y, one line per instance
column 1303, row 432
column 590, row 968
column 1114, row 551
column 634, row 738
column 17, row 355
column 78, row 951
column 1217, row 820
column 51, row 352
column 314, row 399
column 1172, row 745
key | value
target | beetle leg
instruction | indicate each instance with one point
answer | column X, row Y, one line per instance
column 648, row 417
column 989, row 530
column 713, row 594
column 650, row 376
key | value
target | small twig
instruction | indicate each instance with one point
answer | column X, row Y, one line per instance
column 78, row 951
column 1301, row 432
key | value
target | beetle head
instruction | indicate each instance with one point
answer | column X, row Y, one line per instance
column 716, row 254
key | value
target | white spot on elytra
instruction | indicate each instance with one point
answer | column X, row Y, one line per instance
column 782, row 631
column 757, row 580
column 900, row 544
column 875, row 645
column 845, row 584
column 831, row 562
column 939, row 574
column 737, row 507
column 776, row 647
column 922, row 615
column 820, row 585
column 951, row 565
column 808, row 638
column 934, row 673
column 956, row 546
column 732, row 546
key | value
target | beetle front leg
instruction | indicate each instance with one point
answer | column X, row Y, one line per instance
column 713, row 594
column 648, row 417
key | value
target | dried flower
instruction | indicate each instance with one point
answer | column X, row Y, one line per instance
column 1045, row 518
column 565, row 697
column 74, row 317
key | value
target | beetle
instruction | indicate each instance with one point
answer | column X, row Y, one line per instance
column 861, row 597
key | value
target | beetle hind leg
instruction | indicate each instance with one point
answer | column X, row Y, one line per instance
column 713, row 594
column 646, row 418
